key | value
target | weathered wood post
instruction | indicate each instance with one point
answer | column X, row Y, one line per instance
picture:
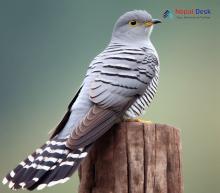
column 134, row 157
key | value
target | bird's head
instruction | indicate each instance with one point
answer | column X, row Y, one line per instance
column 134, row 26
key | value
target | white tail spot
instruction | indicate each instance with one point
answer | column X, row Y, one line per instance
column 22, row 163
column 34, row 165
column 31, row 158
column 12, row 174
column 80, row 149
column 4, row 181
column 39, row 151
column 11, row 184
column 53, row 167
column 47, row 159
column 22, row 184
column 72, row 155
column 40, row 187
column 60, row 151
column 57, row 143
column 84, row 154
column 40, row 167
column 13, row 188
column 67, row 163
column 58, row 182
column 35, row 179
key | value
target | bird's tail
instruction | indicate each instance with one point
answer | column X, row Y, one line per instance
column 49, row 165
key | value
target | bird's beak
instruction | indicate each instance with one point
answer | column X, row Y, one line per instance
column 152, row 22
column 156, row 21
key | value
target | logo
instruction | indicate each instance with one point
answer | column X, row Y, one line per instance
column 187, row 13
column 167, row 14
column 192, row 13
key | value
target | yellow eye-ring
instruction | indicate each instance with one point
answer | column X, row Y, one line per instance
column 133, row 22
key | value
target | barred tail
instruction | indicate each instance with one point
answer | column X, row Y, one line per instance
column 49, row 165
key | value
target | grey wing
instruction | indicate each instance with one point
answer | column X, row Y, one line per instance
column 97, row 121
column 112, row 93
column 65, row 119
column 119, row 80
column 78, row 107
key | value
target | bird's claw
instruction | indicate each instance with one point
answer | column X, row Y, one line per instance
column 139, row 120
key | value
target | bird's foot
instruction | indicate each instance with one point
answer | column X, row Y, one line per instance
column 138, row 120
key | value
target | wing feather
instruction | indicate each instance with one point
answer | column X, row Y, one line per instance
column 97, row 121
column 65, row 119
column 112, row 93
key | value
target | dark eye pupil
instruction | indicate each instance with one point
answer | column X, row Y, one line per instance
column 133, row 22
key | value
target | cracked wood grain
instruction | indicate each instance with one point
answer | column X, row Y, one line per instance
column 134, row 157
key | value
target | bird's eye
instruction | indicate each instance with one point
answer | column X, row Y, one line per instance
column 132, row 22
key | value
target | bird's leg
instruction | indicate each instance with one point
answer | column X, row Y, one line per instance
column 138, row 120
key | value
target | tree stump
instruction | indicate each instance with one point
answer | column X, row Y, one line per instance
column 134, row 157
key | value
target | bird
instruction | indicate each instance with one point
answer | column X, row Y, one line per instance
column 119, row 84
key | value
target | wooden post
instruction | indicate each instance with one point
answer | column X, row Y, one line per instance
column 134, row 157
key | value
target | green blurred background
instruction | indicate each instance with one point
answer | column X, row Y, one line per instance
column 46, row 46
